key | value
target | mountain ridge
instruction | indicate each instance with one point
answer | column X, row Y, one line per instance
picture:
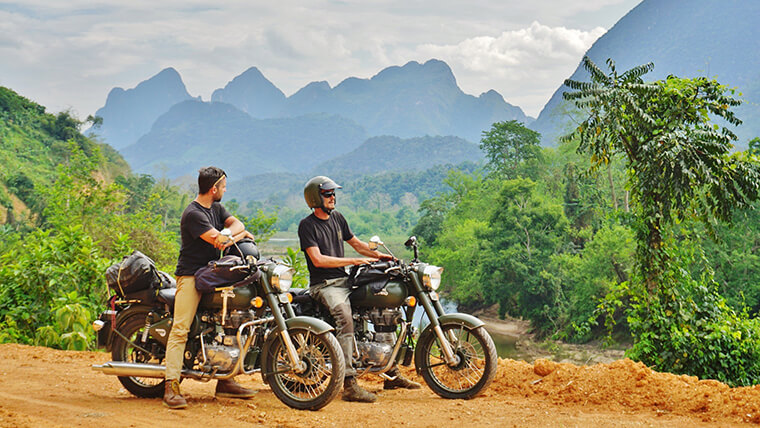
column 412, row 100
column 128, row 114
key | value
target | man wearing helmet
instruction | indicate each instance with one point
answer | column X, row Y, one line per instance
column 322, row 235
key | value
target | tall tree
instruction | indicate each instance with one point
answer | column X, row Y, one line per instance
column 524, row 231
column 511, row 149
column 678, row 161
column 679, row 168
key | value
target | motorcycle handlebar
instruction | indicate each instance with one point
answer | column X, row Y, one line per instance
column 224, row 264
column 385, row 264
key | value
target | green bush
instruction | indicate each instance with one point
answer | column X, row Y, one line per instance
column 689, row 328
column 41, row 275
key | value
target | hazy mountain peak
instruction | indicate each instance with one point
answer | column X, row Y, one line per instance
column 413, row 72
column 312, row 89
column 129, row 114
column 252, row 93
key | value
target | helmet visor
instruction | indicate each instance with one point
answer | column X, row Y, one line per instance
column 329, row 185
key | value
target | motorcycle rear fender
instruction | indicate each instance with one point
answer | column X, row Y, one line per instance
column 122, row 317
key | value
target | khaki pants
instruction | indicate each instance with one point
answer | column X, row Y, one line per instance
column 185, row 304
column 334, row 293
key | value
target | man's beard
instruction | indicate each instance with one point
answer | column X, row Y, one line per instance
column 217, row 198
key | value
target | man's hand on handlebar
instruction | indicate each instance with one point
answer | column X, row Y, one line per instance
column 221, row 242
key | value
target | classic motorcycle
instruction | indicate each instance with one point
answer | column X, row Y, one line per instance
column 240, row 328
column 454, row 353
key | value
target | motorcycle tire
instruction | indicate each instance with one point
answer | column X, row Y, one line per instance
column 476, row 368
column 123, row 350
column 322, row 380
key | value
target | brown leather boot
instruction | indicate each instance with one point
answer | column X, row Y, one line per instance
column 228, row 388
column 172, row 398
column 400, row 381
column 353, row 392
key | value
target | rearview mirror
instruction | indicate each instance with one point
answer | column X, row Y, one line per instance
column 374, row 242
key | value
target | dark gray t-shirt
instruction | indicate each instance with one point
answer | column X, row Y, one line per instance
column 327, row 235
column 197, row 220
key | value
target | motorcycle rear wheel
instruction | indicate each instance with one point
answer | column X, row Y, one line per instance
column 475, row 371
column 125, row 351
column 323, row 378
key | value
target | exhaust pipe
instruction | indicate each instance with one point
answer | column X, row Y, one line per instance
column 120, row 368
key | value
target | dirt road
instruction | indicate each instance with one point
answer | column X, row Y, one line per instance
column 41, row 387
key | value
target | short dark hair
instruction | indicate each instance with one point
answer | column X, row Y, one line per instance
column 208, row 177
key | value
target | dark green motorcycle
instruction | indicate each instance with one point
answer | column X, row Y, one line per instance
column 241, row 328
column 454, row 353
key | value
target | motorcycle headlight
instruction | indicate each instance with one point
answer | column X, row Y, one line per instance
column 282, row 278
column 431, row 277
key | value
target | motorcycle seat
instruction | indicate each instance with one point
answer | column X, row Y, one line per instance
column 167, row 295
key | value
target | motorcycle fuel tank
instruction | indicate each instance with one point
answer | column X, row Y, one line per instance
column 240, row 300
column 363, row 297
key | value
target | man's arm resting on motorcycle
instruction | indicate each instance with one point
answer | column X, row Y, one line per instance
column 362, row 248
column 324, row 261
column 219, row 241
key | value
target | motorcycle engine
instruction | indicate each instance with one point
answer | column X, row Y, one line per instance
column 223, row 352
column 378, row 350
column 384, row 320
column 233, row 320
column 222, row 357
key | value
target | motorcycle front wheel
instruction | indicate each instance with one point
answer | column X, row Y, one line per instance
column 322, row 379
column 126, row 351
column 476, row 367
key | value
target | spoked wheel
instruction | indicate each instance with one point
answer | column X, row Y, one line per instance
column 126, row 351
column 475, row 368
column 322, row 377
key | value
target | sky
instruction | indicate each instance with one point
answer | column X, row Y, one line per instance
column 68, row 55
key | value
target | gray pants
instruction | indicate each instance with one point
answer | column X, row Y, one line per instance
column 334, row 293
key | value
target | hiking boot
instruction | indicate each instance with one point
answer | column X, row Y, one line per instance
column 228, row 388
column 400, row 381
column 172, row 398
column 353, row 392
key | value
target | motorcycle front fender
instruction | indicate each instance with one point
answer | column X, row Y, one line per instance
column 455, row 318
column 314, row 325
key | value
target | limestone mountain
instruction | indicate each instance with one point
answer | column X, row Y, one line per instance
column 394, row 154
column 687, row 38
column 409, row 101
column 195, row 133
column 129, row 114
column 252, row 93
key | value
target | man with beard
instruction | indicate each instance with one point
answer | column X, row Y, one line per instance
column 202, row 240
column 321, row 235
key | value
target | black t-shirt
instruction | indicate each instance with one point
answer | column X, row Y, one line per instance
column 328, row 235
column 197, row 220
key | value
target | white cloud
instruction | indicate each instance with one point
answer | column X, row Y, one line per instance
column 537, row 57
column 72, row 53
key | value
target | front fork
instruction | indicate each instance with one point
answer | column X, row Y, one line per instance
column 434, row 309
column 295, row 360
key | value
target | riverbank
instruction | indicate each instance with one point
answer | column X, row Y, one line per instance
column 513, row 340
